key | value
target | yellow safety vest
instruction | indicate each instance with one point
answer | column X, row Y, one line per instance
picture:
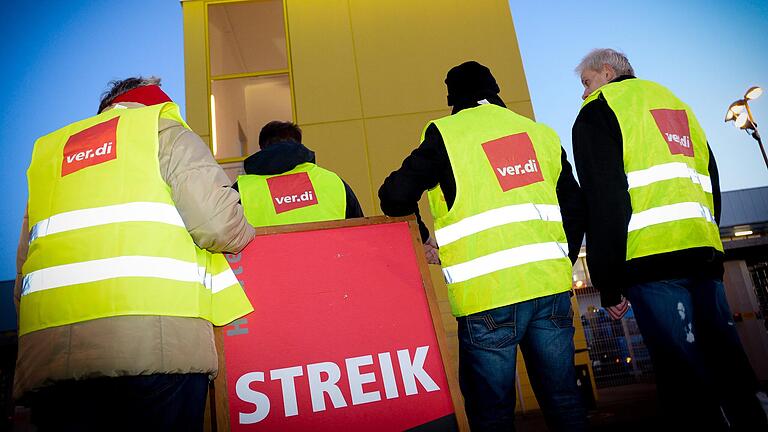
column 106, row 238
column 306, row 193
column 666, row 161
column 502, row 241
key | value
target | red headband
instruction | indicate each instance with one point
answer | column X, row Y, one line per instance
column 147, row 95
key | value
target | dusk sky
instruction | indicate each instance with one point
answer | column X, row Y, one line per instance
column 60, row 55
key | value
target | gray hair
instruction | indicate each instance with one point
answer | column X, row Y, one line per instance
column 605, row 56
column 118, row 87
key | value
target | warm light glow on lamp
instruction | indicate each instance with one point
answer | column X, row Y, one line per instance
column 741, row 116
column 734, row 110
column 753, row 93
column 742, row 121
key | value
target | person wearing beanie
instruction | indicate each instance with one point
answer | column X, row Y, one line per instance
column 509, row 221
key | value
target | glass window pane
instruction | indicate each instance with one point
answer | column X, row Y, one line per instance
column 246, row 37
column 239, row 109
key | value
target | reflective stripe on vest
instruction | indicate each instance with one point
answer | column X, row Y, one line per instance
column 227, row 298
column 504, row 259
column 219, row 281
column 669, row 213
column 668, row 171
column 666, row 161
column 504, row 229
column 109, row 268
column 496, row 217
column 313, row 194
column 129, row 212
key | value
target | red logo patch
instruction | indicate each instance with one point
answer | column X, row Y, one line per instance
column 92, row 146
column 673, row 125
column 514, row 161
column 291, row 191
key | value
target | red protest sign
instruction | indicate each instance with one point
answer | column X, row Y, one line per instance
column 341, row 336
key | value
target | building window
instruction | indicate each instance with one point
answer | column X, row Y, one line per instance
column 249, row 72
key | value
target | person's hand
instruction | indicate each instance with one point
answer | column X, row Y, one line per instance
column 618, row 311
column 431, row 251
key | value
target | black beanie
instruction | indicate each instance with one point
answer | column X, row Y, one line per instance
column 470, row 81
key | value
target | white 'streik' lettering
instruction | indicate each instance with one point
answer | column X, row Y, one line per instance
column 323, row 379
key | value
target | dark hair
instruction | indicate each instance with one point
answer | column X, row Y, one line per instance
column 276, row 131
column 118, row 87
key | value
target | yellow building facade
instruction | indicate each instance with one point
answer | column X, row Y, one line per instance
column 361, row 78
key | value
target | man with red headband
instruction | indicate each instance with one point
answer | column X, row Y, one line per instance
column 120, row 273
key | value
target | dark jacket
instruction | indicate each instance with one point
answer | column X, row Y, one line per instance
column 598, row 154
column 286, row 155
column 429, row 165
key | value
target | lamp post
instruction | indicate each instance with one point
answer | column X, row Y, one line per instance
column 741, row 115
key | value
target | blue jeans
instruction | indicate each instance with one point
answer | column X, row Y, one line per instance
column 488, row 341
column 699, row 362
column 159, row 402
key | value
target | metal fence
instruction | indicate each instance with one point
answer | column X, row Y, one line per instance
column 616, row 348
column 758, row 269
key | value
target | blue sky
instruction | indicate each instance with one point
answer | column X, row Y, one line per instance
column 59, row 55
column 707, row 52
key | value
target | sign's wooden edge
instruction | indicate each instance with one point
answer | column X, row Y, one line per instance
column 451, row 372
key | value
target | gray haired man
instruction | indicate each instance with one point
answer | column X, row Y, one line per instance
column 653, row 194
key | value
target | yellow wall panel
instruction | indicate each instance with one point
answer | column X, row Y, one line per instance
column 391, row 139
column 195, row 67
column 366, row 78
column 524, row 108
column 323, row 61
column 403, row 56
column 340, row 147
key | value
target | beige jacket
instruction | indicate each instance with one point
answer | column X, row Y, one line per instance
column 142, row 345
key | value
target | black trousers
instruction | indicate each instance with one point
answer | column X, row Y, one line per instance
column 160, row 402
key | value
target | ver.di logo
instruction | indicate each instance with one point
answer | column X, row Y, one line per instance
column 291, row 191
column 673, row 125
column 89, row 147
column 513, row 160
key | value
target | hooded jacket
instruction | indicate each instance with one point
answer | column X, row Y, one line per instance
column 284, row 156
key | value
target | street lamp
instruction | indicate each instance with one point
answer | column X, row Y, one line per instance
column 741, row 116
